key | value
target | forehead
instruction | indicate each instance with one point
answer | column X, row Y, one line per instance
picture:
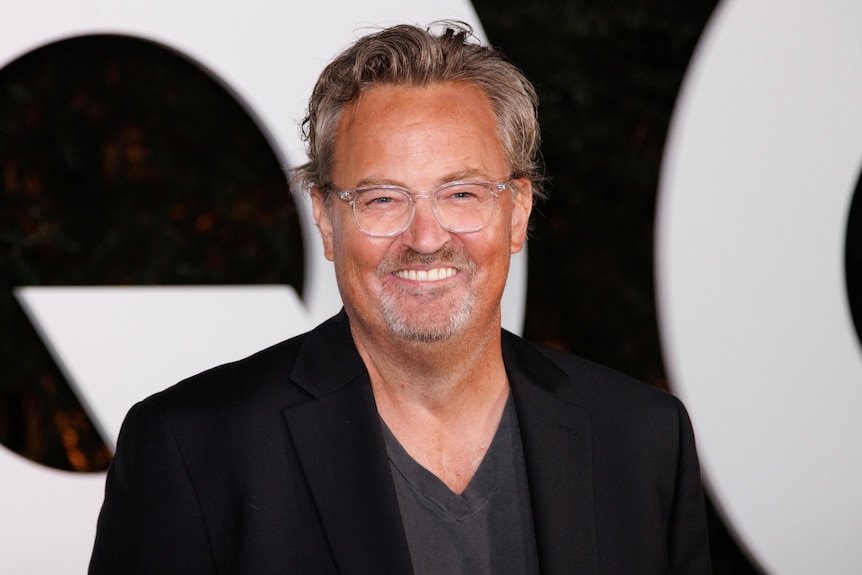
column 391, row 132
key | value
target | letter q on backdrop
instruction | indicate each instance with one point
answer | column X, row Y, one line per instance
column 760, row 170
column 268, row 55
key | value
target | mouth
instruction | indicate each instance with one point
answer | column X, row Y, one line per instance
column 431, row 275
column 427, row 269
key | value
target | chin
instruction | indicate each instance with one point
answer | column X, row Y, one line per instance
column 427, row 325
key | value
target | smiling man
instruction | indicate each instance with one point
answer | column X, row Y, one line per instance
column 410, row 434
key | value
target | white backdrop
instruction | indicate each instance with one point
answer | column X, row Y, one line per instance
column 760, row 168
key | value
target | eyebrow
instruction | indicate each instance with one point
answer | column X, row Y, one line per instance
column 467, row 175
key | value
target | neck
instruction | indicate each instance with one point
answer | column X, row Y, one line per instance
column 434, row 374
column 442, row 400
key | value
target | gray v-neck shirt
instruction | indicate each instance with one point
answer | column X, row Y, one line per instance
column 486, row 529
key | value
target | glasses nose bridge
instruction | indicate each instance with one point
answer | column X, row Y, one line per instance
column 414, row 204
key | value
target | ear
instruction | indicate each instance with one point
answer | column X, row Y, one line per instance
column 522, row 205
column 323, row 221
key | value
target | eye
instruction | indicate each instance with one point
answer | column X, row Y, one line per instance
column 464, row 193
column 380, row 199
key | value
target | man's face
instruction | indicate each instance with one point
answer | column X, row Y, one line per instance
column 427, row 283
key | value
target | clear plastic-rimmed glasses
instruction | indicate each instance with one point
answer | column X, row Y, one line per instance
column 383, row 211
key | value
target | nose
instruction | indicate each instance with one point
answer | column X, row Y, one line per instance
column 425, row 234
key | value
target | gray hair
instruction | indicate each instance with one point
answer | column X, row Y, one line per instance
column 409, row 56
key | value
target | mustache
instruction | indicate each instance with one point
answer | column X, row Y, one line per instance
column 446, row 255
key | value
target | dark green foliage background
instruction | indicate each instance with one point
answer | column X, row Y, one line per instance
column 123, row 164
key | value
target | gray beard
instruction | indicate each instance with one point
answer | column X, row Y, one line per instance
column 411, row 328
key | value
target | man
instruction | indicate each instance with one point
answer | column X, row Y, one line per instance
column 409, row 434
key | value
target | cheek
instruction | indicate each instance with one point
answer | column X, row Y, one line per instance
column 491, row 255
column 359, row 255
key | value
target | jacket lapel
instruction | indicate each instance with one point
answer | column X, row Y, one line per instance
column 558, row 453
column 341, row 449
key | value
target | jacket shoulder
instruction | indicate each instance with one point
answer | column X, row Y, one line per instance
column 578, row 380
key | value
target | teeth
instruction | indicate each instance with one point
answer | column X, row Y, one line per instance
column 432, row 275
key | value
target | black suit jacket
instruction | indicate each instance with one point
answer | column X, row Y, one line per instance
column 277, row 464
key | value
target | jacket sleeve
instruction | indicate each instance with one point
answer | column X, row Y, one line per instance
column 151, row 520
column 688, row 539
